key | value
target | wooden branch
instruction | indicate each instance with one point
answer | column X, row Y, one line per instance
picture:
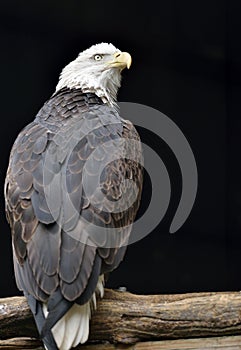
column 217, row 343
column 126, row 318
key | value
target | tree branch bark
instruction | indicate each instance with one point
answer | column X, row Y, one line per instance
column 125, row 318
column 217, row 343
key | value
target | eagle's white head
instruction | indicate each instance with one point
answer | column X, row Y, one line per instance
column 98, row 70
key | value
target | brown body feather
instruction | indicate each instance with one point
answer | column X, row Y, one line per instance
column 52, row 248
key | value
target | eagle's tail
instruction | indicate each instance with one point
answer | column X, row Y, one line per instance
column 72, row 327
column 63, row 324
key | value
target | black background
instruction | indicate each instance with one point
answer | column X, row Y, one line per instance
column 186, row 63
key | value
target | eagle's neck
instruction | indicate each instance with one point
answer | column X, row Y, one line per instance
column 104, row 84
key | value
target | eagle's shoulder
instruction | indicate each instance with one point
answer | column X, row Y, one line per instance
column 51, row 156
column 66, row 103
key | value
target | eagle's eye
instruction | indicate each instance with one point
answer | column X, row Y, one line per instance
column 98, row 57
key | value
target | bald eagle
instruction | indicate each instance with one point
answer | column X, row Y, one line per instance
column 69, row 195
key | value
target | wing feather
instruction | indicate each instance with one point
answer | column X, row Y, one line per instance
column 52, row 246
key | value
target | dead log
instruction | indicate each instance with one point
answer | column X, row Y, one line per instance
column 217, row 343
column 126, row 318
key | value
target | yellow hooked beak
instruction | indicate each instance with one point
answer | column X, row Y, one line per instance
column 121, row 60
